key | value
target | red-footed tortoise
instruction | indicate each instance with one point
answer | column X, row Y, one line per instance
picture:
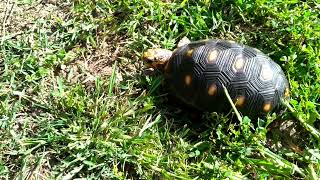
column 198, row 71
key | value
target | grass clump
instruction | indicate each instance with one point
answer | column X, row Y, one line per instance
column 75, row 104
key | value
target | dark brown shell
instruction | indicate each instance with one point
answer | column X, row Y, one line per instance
column 197, row 71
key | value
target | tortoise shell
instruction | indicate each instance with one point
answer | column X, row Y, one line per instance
column 197, row 71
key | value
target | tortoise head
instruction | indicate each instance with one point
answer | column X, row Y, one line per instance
column 156, row 58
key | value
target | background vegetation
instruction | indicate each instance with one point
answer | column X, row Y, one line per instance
column 76, row 104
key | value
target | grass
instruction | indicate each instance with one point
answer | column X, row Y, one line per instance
column 75, row 102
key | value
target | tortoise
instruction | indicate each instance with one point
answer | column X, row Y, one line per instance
column 198, row 71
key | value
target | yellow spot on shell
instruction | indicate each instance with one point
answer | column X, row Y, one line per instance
column 240, row 101
column 239, row 64
column 188, row 80
column 212, row 90
column 287, row 93
column 267, row 107
column 189, row 53
column 266, row 73
column 213, row 55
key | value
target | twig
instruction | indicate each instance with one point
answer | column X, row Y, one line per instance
column 232, row 104
column 10, row 36
column 6, row 17
column 35, row 5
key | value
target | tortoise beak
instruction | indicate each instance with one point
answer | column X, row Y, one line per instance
column 148, row 56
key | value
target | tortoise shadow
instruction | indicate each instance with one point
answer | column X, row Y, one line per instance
column 181, row 115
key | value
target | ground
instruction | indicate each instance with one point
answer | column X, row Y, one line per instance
column 76, row 102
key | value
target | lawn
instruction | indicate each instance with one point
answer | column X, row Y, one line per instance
column 75, row 102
